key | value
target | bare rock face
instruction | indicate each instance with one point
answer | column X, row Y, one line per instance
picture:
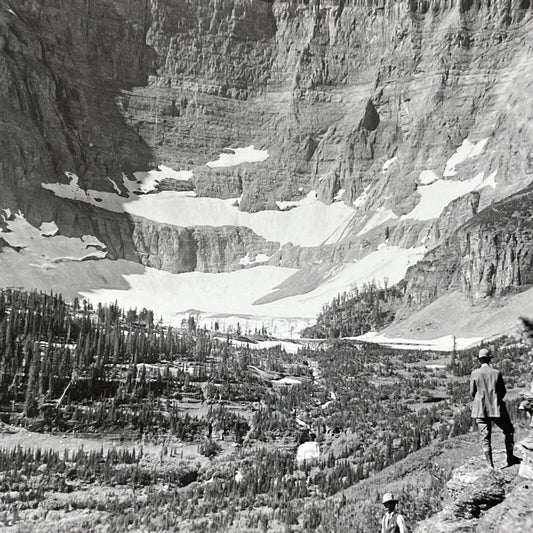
column 474, row 497
column 203, row 248
column 63, row 63
column 513, row 515
column 488, row 256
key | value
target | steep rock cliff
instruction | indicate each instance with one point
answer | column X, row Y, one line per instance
column 490, row 255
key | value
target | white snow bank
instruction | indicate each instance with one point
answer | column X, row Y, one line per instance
column 289, row 347
column 445, row 344
column 427, row 177
column 388, row 164
column 278, row 327
column 381, row 216
column 309, row 223
column 259, row 258
column 439, row 193
column 362, row 199
column 284, row 205
column 225, row 293
column 467, row 150
column 239, row 155
column 307, row 452
column 48, row 229
column 232, row 294
column 44, row 245
column 147, row 181
column 339, row 195
column 144, row 183
column 287, row 381
column 72, row 191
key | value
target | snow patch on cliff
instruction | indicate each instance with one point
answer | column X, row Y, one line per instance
column 259, row 258
column 362, row 199
column 285, row 205
column 427, row 177
column 48, row 229
column 239, row 155
column 467, row 150
column 437, row 194
column 72, row 191
column 44, row 246
column 388, row 164
column 146, row 182
column 306, row 222
column 338, row 197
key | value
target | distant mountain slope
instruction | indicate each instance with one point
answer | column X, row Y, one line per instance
column 297, row 133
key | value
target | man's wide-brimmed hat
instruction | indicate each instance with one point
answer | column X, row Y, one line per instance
column 484, row 352
column 389, row 497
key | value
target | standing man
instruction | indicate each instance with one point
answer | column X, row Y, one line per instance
column 392, row 521
column 487, row 390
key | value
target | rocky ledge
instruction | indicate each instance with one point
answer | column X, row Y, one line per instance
column 484, row 500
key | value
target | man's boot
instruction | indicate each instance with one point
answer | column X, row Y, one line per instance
column 512, row 459
column 488, row 457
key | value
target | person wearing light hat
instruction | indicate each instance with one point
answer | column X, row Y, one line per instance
column 487, row 390
column 392, row 521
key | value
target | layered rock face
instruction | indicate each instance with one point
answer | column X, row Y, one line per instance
column 490, row 255
column 351, row 98
column 202, row 248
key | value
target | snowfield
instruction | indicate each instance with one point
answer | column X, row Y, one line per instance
column 381, row 216
column 289, row 347
column 259, row 258
column 147, row 181
column 230, row 297
column 467, row 150
column 310, row 222
column 427, row 177
column 239, row 155
column 72, row 191
column 436, row 194
column 44, row 247
column 444, row 344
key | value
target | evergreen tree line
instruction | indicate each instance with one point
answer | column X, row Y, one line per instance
column 357, row 311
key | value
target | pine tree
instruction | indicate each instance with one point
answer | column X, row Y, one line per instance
column 31, row 405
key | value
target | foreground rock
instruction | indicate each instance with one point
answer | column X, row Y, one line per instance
column 482, row 499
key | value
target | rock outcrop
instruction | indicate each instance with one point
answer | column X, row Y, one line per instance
column 202, row 248
column 490, row 255
column 480, row 499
